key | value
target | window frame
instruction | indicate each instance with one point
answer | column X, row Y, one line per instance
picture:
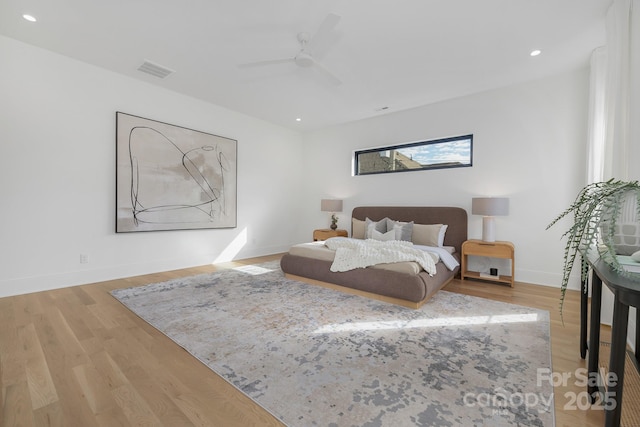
column 357, row 153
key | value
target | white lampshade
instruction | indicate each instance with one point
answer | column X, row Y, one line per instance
column 330, row 205
column 489, row 207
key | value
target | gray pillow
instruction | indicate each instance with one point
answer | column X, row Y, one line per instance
column 403, row 230
column 370, row 225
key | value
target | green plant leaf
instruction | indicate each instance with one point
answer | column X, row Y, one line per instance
column 596, row 207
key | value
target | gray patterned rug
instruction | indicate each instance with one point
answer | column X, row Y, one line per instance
column 314, row 356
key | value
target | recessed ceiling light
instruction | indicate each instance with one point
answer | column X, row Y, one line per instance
column 29, row 18
column 298, row 119
column 535, row 52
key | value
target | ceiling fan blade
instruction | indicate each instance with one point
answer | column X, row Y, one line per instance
column 268, row 62
column 328, row 74
column 325, row 28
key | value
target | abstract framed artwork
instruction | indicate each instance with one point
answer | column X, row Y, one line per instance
column 173, row 178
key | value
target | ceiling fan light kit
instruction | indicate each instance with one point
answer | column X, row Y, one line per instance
column 304, row 60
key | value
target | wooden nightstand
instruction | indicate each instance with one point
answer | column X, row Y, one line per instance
column 325, row 233
column 502, row 249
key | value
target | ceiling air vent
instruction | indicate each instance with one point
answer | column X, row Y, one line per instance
column 155, row 69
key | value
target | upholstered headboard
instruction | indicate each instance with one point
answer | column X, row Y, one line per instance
column 455, row 218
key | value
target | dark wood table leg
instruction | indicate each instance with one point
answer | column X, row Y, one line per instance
column 615, row 378
column 594, row 335
column 584, row 303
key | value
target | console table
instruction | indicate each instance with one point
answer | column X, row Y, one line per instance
column 627, row 294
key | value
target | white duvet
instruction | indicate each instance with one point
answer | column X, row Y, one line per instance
column 356, row 253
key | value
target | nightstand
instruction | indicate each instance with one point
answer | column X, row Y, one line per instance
column 499, row 249
column 325, row 233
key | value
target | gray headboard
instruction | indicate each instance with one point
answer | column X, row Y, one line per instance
column 455, row 218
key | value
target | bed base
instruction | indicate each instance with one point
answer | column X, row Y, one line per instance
column 370, row 295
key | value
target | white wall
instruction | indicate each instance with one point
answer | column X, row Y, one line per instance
column 57, row 176
column 528, row 146
column 57, row 164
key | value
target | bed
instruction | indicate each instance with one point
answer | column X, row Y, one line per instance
column 402, row 284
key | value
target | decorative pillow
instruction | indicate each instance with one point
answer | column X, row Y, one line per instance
column 441, row 235
column 427, row 234
column 380, row 226
column 403, row 229
column 358, row 228
column 389, row 235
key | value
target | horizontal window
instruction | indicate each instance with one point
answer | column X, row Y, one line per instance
column 456, row 152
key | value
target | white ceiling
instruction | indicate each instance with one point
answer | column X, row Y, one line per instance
column 398, row 54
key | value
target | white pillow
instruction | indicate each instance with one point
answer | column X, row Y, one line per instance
column 380, row 226
column 441, row 234
column 385, row 237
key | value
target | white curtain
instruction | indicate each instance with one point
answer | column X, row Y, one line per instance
column 597, row 116
column 613, row 148
column 622, row 92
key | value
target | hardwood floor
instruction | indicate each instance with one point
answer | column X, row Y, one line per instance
column 77, row 357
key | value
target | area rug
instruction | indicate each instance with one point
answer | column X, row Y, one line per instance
column 319, row 357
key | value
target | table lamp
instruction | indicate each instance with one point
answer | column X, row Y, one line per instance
column 489, row 207
column 333, row 206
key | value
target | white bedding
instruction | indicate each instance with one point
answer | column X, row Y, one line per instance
column 318, row 250
column 356, row 253
column 444, row 253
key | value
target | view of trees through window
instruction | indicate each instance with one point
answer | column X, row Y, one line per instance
column 455, row 152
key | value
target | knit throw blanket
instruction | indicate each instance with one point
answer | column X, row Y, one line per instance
column 356, row 253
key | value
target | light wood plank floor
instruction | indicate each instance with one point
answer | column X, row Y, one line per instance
column 77, row 357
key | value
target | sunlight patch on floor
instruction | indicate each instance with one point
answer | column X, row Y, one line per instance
column 427, row 323
column 253, row 270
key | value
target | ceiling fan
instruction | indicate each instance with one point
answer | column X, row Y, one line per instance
column 304, row 58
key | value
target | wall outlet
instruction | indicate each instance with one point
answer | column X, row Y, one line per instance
column 84, row 259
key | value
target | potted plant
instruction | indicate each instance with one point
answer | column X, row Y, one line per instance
column 334, row 221
column 596, row 212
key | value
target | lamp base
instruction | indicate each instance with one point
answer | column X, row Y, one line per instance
column 488, row 229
